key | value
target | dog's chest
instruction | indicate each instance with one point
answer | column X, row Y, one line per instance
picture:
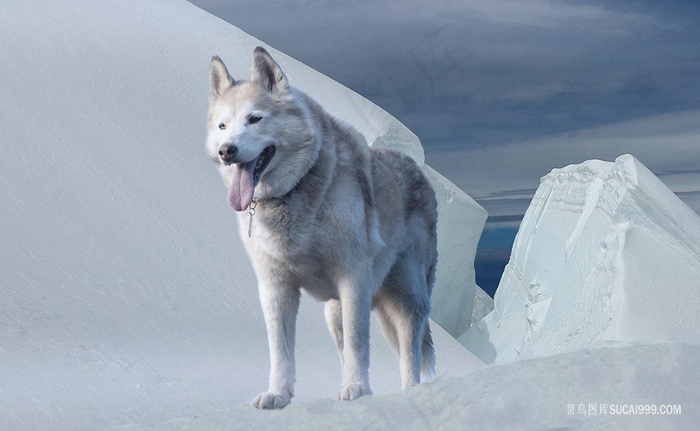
column 311, row 244
column 285, row 236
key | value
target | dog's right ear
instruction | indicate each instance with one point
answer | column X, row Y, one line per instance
column 219, row 79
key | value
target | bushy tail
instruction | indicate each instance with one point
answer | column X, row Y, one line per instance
column 427, row 370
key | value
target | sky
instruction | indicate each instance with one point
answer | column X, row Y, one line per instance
column 502, row 91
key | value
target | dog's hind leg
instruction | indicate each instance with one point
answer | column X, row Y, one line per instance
column 410, row 334
column 411, row 361
column 388, row 328
column 405, row 304
column 334, row 320
column 404, row 329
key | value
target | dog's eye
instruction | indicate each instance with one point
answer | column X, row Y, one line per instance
column 254, row 119
column 222, row 126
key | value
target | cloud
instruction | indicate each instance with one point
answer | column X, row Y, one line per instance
column 501, row 177
column 548, row 14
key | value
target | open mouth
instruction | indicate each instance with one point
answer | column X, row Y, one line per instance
column 246, row 177
column 261, row 162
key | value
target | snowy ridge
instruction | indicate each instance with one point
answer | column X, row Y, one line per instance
column 606, row 252
column 541, row 394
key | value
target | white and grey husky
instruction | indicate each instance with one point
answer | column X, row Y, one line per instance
column 352, row 226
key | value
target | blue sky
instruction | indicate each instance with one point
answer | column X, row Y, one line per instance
column 500, row 92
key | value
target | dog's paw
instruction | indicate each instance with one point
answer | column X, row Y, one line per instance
column 352, row 391
column 268, row 400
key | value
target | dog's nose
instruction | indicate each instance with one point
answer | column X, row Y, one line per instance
column 227, row 152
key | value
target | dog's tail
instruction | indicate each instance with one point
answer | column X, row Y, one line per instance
column 427, row 371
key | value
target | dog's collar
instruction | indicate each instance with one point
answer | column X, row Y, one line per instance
column 254, row 204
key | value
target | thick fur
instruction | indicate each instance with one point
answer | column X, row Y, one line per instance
column 352, row 226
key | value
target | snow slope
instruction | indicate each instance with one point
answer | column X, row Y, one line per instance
column 125, row 295
column 542, row 394
column 606, row 252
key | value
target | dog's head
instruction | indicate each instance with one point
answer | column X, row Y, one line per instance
column 259, row 133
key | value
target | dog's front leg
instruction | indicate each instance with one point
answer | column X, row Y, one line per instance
column 355, row 302
column 280, row 304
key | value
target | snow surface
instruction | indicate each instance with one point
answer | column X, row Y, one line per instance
column 606, row 252
column 525, row 395
column 125, row 295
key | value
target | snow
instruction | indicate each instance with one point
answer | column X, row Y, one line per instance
column 605, row 252
column 125, row 296
column 525, row 395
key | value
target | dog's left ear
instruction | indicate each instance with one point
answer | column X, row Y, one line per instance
column 268, row 73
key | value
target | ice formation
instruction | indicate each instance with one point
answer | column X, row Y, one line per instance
column 124, row 293
column 454, row 307
column 606, row 252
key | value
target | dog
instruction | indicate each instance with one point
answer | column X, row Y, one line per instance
column 319, row 210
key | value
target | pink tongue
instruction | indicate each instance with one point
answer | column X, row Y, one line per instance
column 241, row 193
